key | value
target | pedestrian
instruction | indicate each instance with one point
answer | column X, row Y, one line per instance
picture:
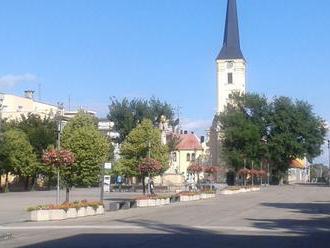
column 152, row 187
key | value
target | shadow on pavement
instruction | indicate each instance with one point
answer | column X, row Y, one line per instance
column 161, row 236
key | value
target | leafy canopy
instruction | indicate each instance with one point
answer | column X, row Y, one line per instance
column 127, row 114
column 16, row 154
column 255, row 129
column 145, row 139
column 90, row 147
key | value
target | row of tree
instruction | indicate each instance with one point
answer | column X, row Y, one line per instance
column 254, row 130
column 23, row 144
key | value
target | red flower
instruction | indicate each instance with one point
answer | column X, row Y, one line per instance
column 211, row 169
column 195, row 168
column 150, row 165
column 58, row 158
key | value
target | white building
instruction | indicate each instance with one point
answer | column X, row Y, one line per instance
column 13, row 107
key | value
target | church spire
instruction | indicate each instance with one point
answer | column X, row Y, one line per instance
column 231, row 44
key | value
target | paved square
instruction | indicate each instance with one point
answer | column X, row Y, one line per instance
column 282, row 216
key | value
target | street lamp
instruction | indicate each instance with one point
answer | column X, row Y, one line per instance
column 264, row 141
column 58, row 145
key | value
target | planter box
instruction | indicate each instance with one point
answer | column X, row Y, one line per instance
column 90, row 211
column 71, row 213
column 60, row 214
column 39, row 215
column 142, row 203
column 99, row 210
column 81, row 212
column 207, row 196
column 152, row 202
column 57, row 214
column 196, row 197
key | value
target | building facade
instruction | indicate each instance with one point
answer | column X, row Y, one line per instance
column 13, row 107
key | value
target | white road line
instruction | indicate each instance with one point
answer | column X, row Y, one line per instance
column 67, row 227
column 119, row 227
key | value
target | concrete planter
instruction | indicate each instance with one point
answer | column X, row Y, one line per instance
column 57, row 214
column 184, row 198
column 99, row 210
column 81, row 212
column 207, row 196
column 90, row 211
column 152, row 202
column 39, row 215
column 158, row 202
column 71, row 213
column 60, row 214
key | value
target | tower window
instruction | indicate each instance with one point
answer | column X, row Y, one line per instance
column 230, row 78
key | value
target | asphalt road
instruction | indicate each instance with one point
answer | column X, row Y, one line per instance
column 284, row 216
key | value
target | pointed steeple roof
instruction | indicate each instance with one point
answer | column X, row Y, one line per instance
column 231, row 48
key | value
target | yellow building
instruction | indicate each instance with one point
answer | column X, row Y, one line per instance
column 188, row 151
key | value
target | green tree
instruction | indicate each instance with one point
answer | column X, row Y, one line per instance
column 90, row 147
column 295, row 132
column 243, row 124
column 126, row 114
column 142, row 142
column 41, row 133
column 291, row 130
column 16, row 155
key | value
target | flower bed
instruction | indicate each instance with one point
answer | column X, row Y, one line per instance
column 152, row 201
column 236, row 190
column 65, row 211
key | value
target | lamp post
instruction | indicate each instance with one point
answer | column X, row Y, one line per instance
column 264, row 141
column 58, row 146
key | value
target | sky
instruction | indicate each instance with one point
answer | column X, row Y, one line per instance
column 90, row 50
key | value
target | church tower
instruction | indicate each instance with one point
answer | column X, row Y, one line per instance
column 231, row 68
column 231, row 64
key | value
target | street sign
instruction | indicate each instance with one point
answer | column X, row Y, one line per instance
column 107, row 166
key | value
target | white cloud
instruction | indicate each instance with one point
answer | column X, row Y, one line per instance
column 11, row 80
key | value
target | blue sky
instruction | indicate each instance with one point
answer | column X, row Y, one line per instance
column 91, row 50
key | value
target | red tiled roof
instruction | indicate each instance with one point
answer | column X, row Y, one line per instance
column 189, row 142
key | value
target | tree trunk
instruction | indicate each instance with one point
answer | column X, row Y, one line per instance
column 0, row 183
column 33, row 182
column 26, row 184
column 143, row 186
column 67, row 194
column 6, row 183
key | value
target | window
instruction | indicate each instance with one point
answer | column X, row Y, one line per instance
column 174, row 156
column 193, row 157
column 188, row 156
column 230, row 78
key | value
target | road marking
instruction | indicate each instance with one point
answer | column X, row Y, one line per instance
column 68, row 227
column 150, row 227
